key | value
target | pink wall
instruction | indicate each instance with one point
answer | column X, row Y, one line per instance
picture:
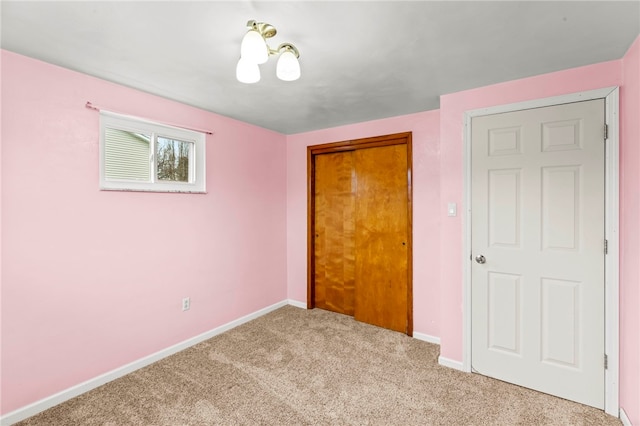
column 89, row 283
column 80, row 296
column 452, row 108
column 426, row 214
column 630, row 235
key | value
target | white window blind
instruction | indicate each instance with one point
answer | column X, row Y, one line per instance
column 126, row 155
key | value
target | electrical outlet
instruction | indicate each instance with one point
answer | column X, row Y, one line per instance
column 186, row 303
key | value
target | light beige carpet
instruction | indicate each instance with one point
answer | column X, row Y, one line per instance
column 299, row 367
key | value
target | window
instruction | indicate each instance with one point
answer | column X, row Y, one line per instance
column 138, row 155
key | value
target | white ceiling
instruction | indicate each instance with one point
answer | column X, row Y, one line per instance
column 360, row 60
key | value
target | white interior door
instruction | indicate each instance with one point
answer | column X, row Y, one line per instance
column 537, row 231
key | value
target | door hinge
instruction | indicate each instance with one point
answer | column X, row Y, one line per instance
column 606, row 132
column 606, row 246
column 606, row 362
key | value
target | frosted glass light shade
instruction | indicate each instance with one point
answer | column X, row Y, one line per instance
column 254, row 48
column 247, row 71
column 288, row 67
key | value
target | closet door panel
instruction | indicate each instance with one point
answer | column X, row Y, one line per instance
column 334, row 232
column 381, row 241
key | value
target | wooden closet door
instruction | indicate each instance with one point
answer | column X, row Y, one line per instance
column 359, row 236
column 381, row 237
column 334, row 242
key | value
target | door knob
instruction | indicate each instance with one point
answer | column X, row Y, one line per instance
column 480, row 259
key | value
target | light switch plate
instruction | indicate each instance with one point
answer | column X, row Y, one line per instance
column 452, row 209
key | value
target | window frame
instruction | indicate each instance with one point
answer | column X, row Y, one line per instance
column 197, row 165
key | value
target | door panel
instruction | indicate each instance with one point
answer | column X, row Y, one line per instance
column 560, row 334
column 538, row 218
column 334, row 232
column 505, row 312
column 504, row 208
column 381, row 236
column 560, row 201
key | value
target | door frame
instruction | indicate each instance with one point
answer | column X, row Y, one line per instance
column 352, row 145
column 612, row 207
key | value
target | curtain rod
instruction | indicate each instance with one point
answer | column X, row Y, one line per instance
column 100, row 109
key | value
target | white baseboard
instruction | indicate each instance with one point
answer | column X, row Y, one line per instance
column 624, row 418
column 457, row 365
column 302, row 305
column 426, row 338
column 60, row 397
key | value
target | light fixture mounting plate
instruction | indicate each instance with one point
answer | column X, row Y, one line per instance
column 265, row 29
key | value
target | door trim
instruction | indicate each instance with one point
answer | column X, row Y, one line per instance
column 352, row 145
column 612, row 207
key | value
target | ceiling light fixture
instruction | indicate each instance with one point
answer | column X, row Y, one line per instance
column 254, row 51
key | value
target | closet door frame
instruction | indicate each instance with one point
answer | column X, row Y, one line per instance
column 352, row 145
